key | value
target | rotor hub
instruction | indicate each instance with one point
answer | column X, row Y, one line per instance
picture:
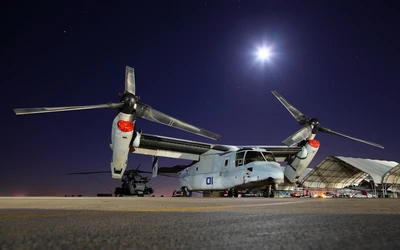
column 315, row 125
column 314, row 122
column 129, row 101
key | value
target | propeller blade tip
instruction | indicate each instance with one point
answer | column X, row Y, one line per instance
column 18, row 111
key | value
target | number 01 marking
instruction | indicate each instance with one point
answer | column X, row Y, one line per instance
column 209, row 180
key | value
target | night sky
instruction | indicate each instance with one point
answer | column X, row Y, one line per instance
column 333, row 60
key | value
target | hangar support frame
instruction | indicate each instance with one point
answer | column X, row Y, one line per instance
column 391, row 179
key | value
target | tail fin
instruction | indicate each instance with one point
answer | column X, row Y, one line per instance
column 154, row 166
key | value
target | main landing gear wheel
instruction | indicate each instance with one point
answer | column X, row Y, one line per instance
column 186, row 192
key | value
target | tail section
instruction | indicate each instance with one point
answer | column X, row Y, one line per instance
column 122, row 133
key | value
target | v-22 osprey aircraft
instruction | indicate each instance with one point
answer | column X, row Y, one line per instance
column 214, row 167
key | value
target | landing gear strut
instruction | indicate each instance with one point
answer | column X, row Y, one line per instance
column 185, row 192
column 270, row 191
column 233, row 193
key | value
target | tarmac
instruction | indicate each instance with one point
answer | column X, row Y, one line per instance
column 198, row 223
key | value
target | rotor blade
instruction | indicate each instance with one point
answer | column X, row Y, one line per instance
column 129, row 80
column 27, row 111
column 300, row 117
column 97, row 172
column 172, row 170
column 144, row 172
column 148, row 172
column 299, row 136
column 327, row 130
column 169, row 175
column 146, row 112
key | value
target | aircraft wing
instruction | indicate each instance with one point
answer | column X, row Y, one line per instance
column 191, row 150
column 174, row 148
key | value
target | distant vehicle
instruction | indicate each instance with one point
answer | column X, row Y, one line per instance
column 328, row 195
column 356, row 192
column 133, row 183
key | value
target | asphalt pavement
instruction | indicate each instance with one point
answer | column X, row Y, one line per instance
column 198, row 223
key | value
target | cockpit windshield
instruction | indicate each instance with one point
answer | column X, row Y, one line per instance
column 253, row 156
column 269, row 156
column 245, row 157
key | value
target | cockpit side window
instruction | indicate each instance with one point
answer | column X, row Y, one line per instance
column 239, row 159
column 269, row 156
column 253, row 156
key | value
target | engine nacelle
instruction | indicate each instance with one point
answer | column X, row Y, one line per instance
column 303, row 158
column 121, row 137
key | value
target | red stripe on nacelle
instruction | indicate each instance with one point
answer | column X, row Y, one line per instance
column 313, row 143
column 125, row 126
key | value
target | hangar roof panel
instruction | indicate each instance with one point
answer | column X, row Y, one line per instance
column 338, row 172
column 375, row 168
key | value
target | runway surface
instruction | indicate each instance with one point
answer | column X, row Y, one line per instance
column 198, row 223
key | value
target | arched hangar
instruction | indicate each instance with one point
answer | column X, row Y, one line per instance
column 339, row 172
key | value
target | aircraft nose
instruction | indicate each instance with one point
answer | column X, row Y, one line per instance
column 271, row 171
column 274, row 170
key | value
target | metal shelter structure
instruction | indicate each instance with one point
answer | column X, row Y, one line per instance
column 391, row 180
column 339, row 172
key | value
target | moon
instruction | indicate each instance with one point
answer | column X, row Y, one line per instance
column 263, row 54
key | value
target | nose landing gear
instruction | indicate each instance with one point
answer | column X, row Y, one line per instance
column 270, row 191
